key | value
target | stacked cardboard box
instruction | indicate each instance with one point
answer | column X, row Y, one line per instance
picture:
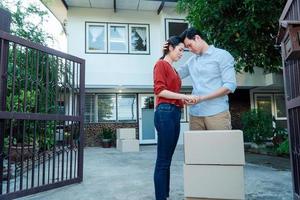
column 126, row 140
column 214, row 165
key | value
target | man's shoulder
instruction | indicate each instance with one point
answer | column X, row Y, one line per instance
column 221, row 51
column 223, row 54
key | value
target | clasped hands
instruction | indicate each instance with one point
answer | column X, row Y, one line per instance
column 192, row 99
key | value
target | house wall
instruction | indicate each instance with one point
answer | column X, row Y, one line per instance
column 109, row 70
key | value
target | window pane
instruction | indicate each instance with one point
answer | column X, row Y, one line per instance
column 264, row 103
column 281, row 124
column 96, row 36
column 280, row 106
column 127, row 107
column 138, row 35
column 118, row 38
column 176, row 28
column 89, row 113
column 106, row 108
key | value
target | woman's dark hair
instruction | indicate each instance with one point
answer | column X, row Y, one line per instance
column 172, row 41
column 190, row 33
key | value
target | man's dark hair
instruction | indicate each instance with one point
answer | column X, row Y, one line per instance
column 190, row 33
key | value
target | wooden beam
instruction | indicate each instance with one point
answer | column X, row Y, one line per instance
column 115, row 6
column 161, row 6
column 65, row 4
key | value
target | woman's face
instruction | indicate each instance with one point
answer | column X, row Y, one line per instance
column 177, row 52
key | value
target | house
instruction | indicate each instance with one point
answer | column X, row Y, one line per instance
column 120, row 41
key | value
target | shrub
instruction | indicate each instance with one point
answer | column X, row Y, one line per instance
column 107, row 133
column 284, row 148
column 257, row 126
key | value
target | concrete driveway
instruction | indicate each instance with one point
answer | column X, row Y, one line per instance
column 112, row 175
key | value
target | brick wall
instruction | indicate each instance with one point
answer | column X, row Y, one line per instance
column 92, row 132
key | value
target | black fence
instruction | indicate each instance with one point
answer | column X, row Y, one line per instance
column 41, row 117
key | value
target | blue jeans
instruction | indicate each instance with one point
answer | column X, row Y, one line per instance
column 167, row 123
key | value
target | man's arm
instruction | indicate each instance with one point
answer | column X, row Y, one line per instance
column 183, row 71
column 228, row 79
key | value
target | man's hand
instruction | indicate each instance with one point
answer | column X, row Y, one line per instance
column 195, row 100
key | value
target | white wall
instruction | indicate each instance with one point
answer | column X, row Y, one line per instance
column 116, row 69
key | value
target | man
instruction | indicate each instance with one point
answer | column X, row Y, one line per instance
column 213, row 77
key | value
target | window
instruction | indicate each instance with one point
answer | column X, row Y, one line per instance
column 118, row 38
column 280, row 110
column 127, row 107
column 264, row 102
column 89, row 114
column 96, row 37
column 175, row 27
column 106, row 107
column 139, row 39
column 275, row 105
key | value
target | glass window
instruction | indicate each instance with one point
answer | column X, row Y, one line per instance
column 175, row 27
column 139, row 39
column 89, row 112
column 183, row 113
column 127, row 107
column 118, row 39
column 96, row 37
column 106, row 107
column 280, row 106
column 264, row 103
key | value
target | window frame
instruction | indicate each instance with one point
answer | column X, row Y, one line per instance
column 117, row 107
column 147, row 26
column 275, row 108
column 174, row 20
column 87, row 25
column 109, row 37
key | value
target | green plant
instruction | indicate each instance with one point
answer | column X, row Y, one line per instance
column 6, row 144
column 257, row 126
column 279, row 135
column 284, row 147
column 107, row 133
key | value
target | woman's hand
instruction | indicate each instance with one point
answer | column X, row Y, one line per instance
column 191, row 99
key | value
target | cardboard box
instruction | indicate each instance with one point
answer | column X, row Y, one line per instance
column 126, row 133
column 132, row 145
column 222, row 147
column 214, row 182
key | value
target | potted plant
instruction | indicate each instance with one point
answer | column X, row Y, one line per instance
column 106, row 137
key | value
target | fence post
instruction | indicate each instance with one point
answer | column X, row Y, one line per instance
column 5, row 20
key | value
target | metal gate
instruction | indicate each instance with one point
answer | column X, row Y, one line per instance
column 289, row 36
column 41, row 117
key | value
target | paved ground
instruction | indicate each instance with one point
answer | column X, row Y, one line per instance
column 112, row 175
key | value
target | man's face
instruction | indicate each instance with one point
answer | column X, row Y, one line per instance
column 194, row 45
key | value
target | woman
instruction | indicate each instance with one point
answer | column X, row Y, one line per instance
column 167, row 84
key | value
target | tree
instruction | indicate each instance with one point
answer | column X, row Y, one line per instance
column 247, row 29
column 26, row 82
column 27, row 21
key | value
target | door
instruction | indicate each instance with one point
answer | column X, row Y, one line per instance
column 147, row 133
